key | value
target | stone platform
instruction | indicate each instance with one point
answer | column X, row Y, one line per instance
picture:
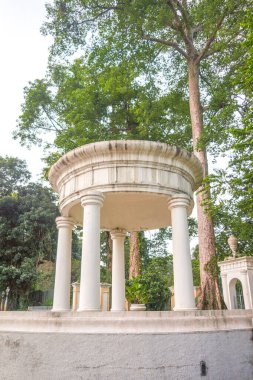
column 126, row 345
column 134, row 322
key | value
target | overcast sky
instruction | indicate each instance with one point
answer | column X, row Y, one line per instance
column 23, row 59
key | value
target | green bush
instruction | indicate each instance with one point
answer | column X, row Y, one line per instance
column 152, row 287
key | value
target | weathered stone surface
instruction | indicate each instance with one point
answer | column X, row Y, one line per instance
column 31, row 356
column 126, row 345
column 138, row 322
column 233, row 269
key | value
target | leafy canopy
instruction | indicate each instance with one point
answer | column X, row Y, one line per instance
column 27, row 228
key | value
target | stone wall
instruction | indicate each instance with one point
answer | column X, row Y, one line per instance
column 45, row 356
column 126, row 345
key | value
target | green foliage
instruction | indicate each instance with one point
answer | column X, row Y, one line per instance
column 89, row 104
column 195, row 272
column 195, row 266
column 130, row 77
column 13, row 173
column 157, row 278
column 75, row 270
column 134, row 41
column 157, row 244
column 231, row 210
column 152, row 286
column 212, row 267
column 77, row 243
column 45, row 276
column 27, row 229
column 105, row 258
column 136, row 290
column 157, row 269
column 241, row 178
column 232, row 201
column 39, row 111
column 48, row 302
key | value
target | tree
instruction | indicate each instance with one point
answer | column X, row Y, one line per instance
column 152, row 286
column 242, row 157
column 135, row 259
column 142, row 34
column 13, row 173
column 27, row 229
column 106, row 257
column 232, row 189
column 231, row 208
column 156, row 277
column 89, row 104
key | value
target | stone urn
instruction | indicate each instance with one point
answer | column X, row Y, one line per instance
column 137, row 307
column 233, row 243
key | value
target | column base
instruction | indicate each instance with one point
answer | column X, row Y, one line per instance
column 117, row 310
column 88, row 309
column 60, row 310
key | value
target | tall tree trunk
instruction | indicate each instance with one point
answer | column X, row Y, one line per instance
column 109, row 256
column 135, row 262
column 211, row 297
column 109, row 252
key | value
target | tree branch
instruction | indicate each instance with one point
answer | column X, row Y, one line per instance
column 104, row 11
column 211, row 52
column 167, row 43
column 178, row 24
column 52, row 121
column 53, row 129
column 210, row 40
column 204, row 79
column 218, row 49
column 185, row 32
column 184, row 12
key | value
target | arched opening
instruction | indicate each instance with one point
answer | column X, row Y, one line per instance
column 236, row 294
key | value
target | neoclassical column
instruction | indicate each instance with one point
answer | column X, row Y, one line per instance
column 118, row 270
column 183, row 282
column 225, row 290
column 245, row 289
column 89, row 298
column 63, row 264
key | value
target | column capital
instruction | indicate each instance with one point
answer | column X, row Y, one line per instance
column 92, row 198
column 64, row 222
column 179, row 200
column 118, row 233
column 243, row 271
column 224, row 275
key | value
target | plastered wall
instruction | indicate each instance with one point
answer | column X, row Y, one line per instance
column 45, row 356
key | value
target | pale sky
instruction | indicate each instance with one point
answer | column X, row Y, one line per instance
column 24, row 58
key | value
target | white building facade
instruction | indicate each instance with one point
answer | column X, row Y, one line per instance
column 237, row 271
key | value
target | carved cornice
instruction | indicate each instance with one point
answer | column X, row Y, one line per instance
column 126, row 150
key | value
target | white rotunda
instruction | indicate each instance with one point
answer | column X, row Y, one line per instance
column 122, row 186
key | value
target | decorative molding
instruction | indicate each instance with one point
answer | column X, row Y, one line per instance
column 180, row 200
column 65, row 222
column 107, row 151
column 118, row 233
column 92, row 198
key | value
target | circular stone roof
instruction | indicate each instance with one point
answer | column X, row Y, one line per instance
column 137, row 178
